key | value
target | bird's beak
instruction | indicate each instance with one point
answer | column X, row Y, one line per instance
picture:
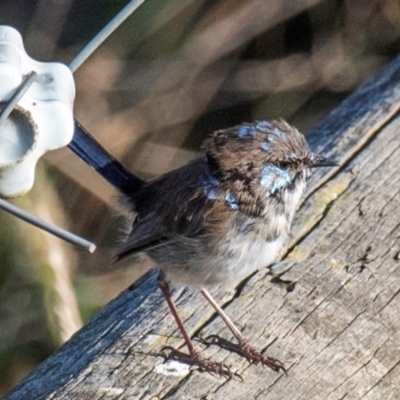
column 319, row 161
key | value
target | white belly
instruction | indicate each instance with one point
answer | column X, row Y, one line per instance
column 243, row 256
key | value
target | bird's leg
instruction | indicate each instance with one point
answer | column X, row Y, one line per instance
column 194, row 357
column 243, row 348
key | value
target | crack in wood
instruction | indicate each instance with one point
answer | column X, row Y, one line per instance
column 381, row 379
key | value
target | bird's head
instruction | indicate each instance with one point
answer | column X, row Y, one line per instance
column 263, row 155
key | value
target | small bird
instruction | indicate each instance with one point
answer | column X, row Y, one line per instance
column 220, row 217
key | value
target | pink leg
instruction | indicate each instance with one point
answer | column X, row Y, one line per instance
column 244, row 347
column 194, row 356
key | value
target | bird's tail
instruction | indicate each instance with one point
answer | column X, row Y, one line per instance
column 92, row 153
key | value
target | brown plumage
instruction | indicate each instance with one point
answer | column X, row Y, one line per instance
column 223, row 215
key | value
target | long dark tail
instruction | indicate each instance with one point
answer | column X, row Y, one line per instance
column 92, row 153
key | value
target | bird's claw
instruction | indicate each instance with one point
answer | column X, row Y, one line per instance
column 246, row 350
column 204, row 365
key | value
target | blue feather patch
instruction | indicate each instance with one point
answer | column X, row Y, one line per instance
column 213, row 192
column 265, row 147
column 275, row 178
column 279, row 133
column 245, row 130
column 263, row 125
column 232, row 201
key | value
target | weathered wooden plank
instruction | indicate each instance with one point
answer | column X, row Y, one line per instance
column 330, row 313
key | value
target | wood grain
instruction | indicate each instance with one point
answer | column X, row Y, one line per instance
column 329, row 310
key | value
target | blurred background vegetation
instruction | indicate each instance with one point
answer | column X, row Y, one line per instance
column 173, row 72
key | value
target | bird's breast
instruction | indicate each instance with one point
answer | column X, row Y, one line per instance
column 246, row 250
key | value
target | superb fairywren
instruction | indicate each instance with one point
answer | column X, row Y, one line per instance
column 218, row 218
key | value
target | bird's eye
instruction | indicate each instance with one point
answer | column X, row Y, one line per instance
column 283, row 165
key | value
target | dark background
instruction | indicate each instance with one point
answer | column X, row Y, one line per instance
column 173, row 72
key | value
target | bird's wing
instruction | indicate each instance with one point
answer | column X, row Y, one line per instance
column 168, row 207
column 146, row 234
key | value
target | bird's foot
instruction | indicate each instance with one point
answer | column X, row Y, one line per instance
column 249, row 352
column 204, row 365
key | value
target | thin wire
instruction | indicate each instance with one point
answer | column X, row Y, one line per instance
column 17, row 212
column 54, row 230
column 104, row 34
column 16, row 97
column 73, row 66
